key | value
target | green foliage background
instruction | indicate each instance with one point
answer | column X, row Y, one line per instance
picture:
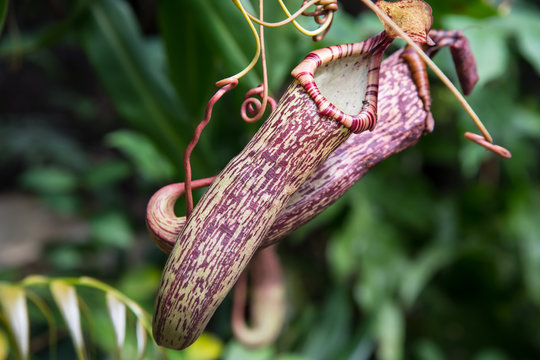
column 435, row 254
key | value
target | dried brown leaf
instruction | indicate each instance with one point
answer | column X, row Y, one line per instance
column 412, row 16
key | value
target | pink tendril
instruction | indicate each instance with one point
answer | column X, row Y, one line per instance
column 320, row 15
column 480, row 140
column 226, row 85
column 322, row 9
column 252, row 108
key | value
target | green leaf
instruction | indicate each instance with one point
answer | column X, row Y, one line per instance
column 488, row 44
column 364, row 345
column 14, row 308
column 141, row 339
column 292, row 357
column 4, row 5
column 346, row 29
column 67, row 301
column 142, row 152
column 106, row 174
column 332, row 331
column 32, row 41
column 207, row 347
column 347, row 244
column 235, row 43
column 235, row 351
column 475, row 8
column 528, row 124
column 49, row 180
column 217, row 43
column 39, row 142
column 140, row 283
column 65, row 257
column 45, row 310
column 141, row 92
column 117, row 313
column 112, row 228
column 428, row 350
column 421, row 270
column 285, row 46
column 391, row 331
column 191, row 61
column 4, row 345
column 491, row 354
column 524, row 223
column 528, row 36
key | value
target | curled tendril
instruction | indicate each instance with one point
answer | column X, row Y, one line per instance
column 252, row 108
column 323, row 8
column 289, row 18
column 322, row 15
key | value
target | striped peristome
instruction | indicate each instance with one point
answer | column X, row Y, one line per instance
column 233, row 217
column 323, row 58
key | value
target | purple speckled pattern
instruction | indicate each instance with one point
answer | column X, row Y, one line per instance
column 398, row 99
column 230, row 221
column 401, row 123
column 279, row 182
column 402, row 119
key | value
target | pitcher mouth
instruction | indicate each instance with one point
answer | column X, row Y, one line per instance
column 367, row 53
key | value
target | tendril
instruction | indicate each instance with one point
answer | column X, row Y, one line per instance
column 252, row 108
column 255, row 109
column 480, row 140
column 323, row 7
column 196, row 135
column 290, row 18
column 255, row 59
column 323, row 14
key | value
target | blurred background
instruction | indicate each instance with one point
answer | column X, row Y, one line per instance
column 434, row 254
